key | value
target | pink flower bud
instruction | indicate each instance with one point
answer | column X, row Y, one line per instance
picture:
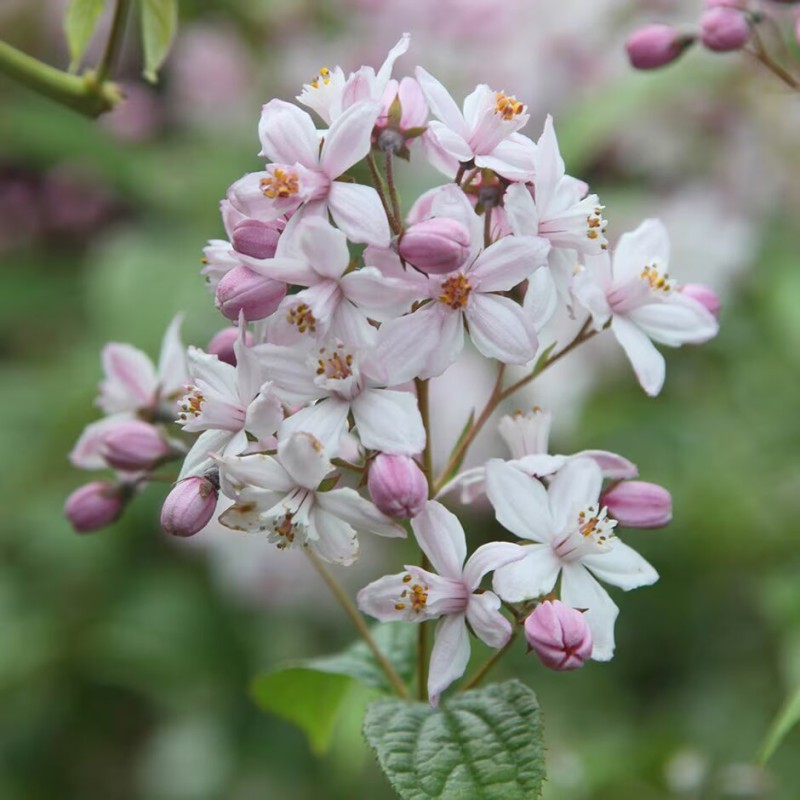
column 242, row 290
column 189, row 506
column 559, row 635
column 133, row 445
column 704, row 295
column 221, row 345
column 724, row 29
column 397, row 486
column 256, row 239
column 656, row 46
column 413, row 108
column 637, row 504
column 94, row 505
column 435, row 246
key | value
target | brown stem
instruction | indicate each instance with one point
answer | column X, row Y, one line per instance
column 380, row 188
column 761, row 54
column 392, row 187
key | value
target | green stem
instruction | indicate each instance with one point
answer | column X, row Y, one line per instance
column 392, row 188
column 493, row 659
column 352, row 612
column 380, row 188
column 85, row 93
column 762, row 55
column 114, row 41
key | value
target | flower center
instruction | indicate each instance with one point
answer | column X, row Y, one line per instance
column 324, row 76
column 455, row 291
column 285, row 529
column 593, row 524
column 191, row 405
column 658, row 278
column 596, row 224
column 337, row 366
column 593, row 534
column 302, row 316
column 415, row 596
column 280, row 183
column 507, row 106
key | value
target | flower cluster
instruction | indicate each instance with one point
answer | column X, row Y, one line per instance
column 345, row 306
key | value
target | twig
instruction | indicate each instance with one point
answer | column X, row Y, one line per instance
column 489, row 663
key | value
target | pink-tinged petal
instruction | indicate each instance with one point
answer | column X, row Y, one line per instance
column 326, row 421
column 441, row 537
column 198, row 459
column 403, row 347
column 526, row 434
column 251, row 375
column 389, row 421
column 173, row 373
column 612, row 465
column 349, row 324
column 580, row 590
column 257, row 470
column 589, row 293
column 288, row 135
column 304, row 458
column 575, row 487
column 385, row 71
column 349, row 139
column 380, row 598
column 437, row 156
column 678, row 320
column 357, row 210
column 508, row 262
column 549, row 165
column 520, row 503
column 479, row 104
column 513, row 158
column 449, row 141
column 647, row 362
column 380, row 297
column 448, row 342
column 441, row 104
column 88, row 450
column 538, row 465
column 541, row 299
column 247, row 198
column 282, row 268
column 336, row 541
column 236, row 445
column 489, row 557
column 490, row 626
column 293, row 379
column 130, row 379
column 449, row 657
column 209, row 370
column 521, row 210
column 500, row 329
column 349, row 505
column 533, row 576
column 264, row 415
column 637, row 249
column 324, row 247
column 621, row 566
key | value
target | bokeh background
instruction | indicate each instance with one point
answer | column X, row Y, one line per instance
column 125, row 658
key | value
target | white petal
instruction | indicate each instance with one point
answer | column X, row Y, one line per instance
column 379, row 296
column 549, row 165
column 264, row 415
column 257, row 470
column 533, row 576
column 441, row 104
column 521, row 210
column 449, row 141
column 389, row 421
column 621, row 566
column 580, row 590
column 326, row 421
column 324, row 247
column 490, row 626
column 576, row 485
column 512, row 158
column 500, row 329
column 508, row 262
column 379, row 598
column 293, row 379
column 441, row 537
column 349, row 138
column 520, row 503
column 449, row 657
column 130, row 379
column 541, row 299
column 404, row 346
column 218, row 375
column 357, row 210
column 173, row 373
column 385, row 71
column 304, row 458
column 678, row 320
column 349, row 505
column 336, row 541
column 291, row 269
column 647, row 362
column 489, row 557
column 198, row 459
column 638, row 248
column 448, row 343
column 287, row 134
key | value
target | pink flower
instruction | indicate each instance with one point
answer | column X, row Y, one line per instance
column 188, row 508
column 559, row 635
column 397, row 485
column 724, row 29
column 94, row 506
column 656, row 46
column 637, row 504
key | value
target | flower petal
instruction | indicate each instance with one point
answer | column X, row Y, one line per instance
column 288, row 135
column 130, row 379
column 441, row 537
column 647, row 362
column 238, row 473
column 324, row 247
column 449, row 657
column 513, row 158
column 636, row 249
column 198, row 459
column 389, row 421
column 264, row 414
column 304, row 458
column 678, row 320
column 349, row 139
column 293, row 379
column 575, row 487
column 336, row 541
column 440, row 103
column 490, row 626
column 357, row 210
column 173, row 374
column 489, row 557
column 380, row 297
column 580, row 590
column 508, row 262
column 349, row 505
column 379, row 598
column 621, row 566
column 500, row 329
column 533, row 576
column 326, row 421
column 520, row 503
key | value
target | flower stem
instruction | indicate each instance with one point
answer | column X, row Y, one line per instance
column 761, row 54
column 114, row 41
column 380, row 188
column 394, row 197
column 362, row 627
column 489, row 663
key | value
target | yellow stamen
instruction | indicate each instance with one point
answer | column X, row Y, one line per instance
column 507, row 106
column 280, row 183
column 455, row 291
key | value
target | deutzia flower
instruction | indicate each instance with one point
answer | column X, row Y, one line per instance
column 280, row 496
column 417, row 595
column 637, row 295
column 572, row 537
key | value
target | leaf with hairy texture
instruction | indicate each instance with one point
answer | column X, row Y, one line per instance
column 80, row 23
column 159, row 22
column 482, row 745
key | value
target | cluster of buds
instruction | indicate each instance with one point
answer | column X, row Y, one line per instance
column 320, row 389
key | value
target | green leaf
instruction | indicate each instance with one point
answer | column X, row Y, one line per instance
column 159, row 21
column 786, row 719
column 481, row 745
column 80, row 23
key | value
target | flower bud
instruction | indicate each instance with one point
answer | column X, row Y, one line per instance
column 559, row 635
column 257, row 239
column 397, row 486
column 189, row 507
column 242, row 290
column 724, row 29
column 656, row 46
column 133, row 445
column 436, row 245
column 94, row 505
column 221, row 344
column 704, row 295
column 637, row 504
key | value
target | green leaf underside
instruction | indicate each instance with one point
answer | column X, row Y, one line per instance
column 786, row 719
column 80, row 22
column 159, row 21
column 481, row 745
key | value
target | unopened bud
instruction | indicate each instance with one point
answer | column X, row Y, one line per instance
column 243, row 291
column 724, row 29
column 559, row 635
column 704, row 295
column 133, row 445
column 637, row 504
column 435, row 246
column 189, row 507
column 221, row 345
column 656, row 46
column 256, row 239
column 94, row 505
column 397, row 486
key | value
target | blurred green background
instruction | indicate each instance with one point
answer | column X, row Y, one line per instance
column 125, row 659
